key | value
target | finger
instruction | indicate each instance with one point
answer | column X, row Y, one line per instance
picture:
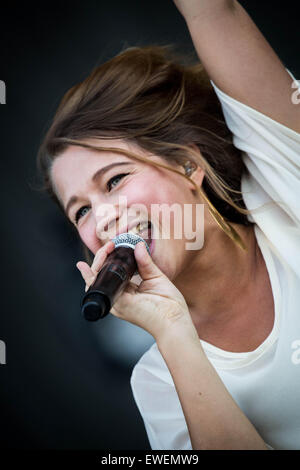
column 131, row 288
column 89, row 273
column 146, row 267
column 86, row 272
column 125, row 300
column 101, row 255
column 136, row 279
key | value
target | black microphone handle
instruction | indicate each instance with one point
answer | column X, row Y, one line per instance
column 117, row 270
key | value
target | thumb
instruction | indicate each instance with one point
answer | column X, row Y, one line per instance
column 146, row 266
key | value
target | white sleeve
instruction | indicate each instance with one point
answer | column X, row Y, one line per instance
column 160, row 408
column 271, row 153
column 158, row 403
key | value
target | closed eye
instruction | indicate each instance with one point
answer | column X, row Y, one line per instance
column 80, row 213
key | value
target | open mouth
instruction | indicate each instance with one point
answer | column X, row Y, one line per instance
column 144, row 230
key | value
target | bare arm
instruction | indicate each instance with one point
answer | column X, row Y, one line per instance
column 239, row 60
column 214, row 420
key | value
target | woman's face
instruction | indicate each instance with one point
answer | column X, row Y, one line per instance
column 113, row 193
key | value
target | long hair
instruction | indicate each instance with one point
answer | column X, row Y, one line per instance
column 163, row 102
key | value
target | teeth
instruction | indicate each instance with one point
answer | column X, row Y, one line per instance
column 141, row 227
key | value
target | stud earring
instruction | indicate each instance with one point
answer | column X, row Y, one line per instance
column 189, row 167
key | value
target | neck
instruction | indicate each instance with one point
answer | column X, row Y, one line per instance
column 213, row 280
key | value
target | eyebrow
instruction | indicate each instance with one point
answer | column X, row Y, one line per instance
column 96, row 176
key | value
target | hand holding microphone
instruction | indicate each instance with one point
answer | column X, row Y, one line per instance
column 110, row 282
column 156, row 305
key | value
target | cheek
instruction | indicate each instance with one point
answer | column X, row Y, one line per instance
column 158, row 194
column 155, row 190
column 87, row 234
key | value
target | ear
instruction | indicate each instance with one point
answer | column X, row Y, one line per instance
column 198, row 174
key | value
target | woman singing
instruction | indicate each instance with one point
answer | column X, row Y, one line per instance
column 223, row 134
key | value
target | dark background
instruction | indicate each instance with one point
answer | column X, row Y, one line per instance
column 65, row 384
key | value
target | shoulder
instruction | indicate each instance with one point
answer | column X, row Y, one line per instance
column 246, row 121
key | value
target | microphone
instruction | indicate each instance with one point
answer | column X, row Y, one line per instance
column 117, row 270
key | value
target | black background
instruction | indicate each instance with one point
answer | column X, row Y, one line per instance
column 65, row 384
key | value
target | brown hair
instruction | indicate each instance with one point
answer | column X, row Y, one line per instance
column 163, row 102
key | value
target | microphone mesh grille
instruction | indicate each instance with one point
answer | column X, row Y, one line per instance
column 129, row 239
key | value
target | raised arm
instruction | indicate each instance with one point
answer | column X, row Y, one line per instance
column 239, row 60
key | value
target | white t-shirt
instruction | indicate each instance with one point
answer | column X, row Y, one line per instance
column 265, row 383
